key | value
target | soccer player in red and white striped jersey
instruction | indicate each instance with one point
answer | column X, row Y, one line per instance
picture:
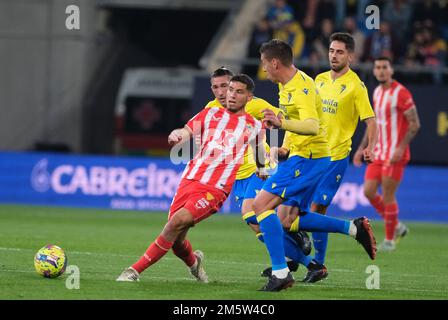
column 398, row 123
column 225, row 135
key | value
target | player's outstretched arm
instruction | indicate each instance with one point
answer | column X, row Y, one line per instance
column 179, row 136
column 308, row 127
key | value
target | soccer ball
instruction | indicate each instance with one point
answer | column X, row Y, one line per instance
column 50, row 261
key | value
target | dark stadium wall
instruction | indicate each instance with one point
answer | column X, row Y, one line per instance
column 141, row 38
column 429, row 147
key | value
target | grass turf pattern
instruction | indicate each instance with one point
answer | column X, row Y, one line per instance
column 102, row 243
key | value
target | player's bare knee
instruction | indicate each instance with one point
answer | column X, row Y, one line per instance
column 247, row 206
column 180, row 222
column 258, row 205
column 369, row 193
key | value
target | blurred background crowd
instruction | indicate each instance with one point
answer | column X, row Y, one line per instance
column 411, row 33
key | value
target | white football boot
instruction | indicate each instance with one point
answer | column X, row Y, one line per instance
column 387, row 246
column 129, row 275
column 400, row 232
column 198, row 271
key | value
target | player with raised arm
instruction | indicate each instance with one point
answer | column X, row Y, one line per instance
column 309, row 158
column 398, row 123
column 208, row 178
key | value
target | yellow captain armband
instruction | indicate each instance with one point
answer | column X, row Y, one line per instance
column 308, row 127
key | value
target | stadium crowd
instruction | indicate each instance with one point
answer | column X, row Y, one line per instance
column 412, row 33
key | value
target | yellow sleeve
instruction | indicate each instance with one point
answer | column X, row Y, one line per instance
column 213, row 104
column 362, row 102
column 286, row 140
column 256, row 106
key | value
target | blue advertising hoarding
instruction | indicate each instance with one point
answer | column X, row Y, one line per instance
column 149, row 184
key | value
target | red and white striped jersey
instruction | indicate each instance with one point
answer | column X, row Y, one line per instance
column 390, row 105
column 224, row 139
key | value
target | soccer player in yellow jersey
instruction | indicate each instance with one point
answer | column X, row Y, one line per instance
column 344, row 101
column 309, row 158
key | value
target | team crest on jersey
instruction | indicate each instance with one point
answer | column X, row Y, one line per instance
column 305, row 90
column 283, row 108
column 338, row 177
column 297, row 173
column 273, row 185
column 343, row 87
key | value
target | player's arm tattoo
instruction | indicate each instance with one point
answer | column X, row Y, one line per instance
column 414, row 125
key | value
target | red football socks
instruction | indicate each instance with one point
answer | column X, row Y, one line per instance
column 185, row 252
column 391, row 219
column 155, row 251
column 378, row 204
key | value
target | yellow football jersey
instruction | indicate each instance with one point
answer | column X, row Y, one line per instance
column 254, row 108
column 344, row 101
column 299, row 100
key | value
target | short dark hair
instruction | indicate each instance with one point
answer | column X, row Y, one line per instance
column 244, row 78
column 277, row 49
column 384, row 58
column 221, row 71
column 345, row 38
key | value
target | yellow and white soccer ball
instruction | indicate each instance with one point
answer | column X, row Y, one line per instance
column 50, row 261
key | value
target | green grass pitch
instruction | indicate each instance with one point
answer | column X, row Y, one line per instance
column 102, row 243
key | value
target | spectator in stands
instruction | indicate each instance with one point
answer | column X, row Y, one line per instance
column 427, row 10
column 380, row 44
column 281, row 19
column 414, row 54
column 359, row 37
column 262, row 33
column 346, row 8
column 319, row 52
column 398, row 14
column 434, row 13
column 280, row 15
column 427, row 49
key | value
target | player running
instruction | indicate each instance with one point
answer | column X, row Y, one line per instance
column 309, row 158
column 208, row 178
column 398, row 123
column 344, row 100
